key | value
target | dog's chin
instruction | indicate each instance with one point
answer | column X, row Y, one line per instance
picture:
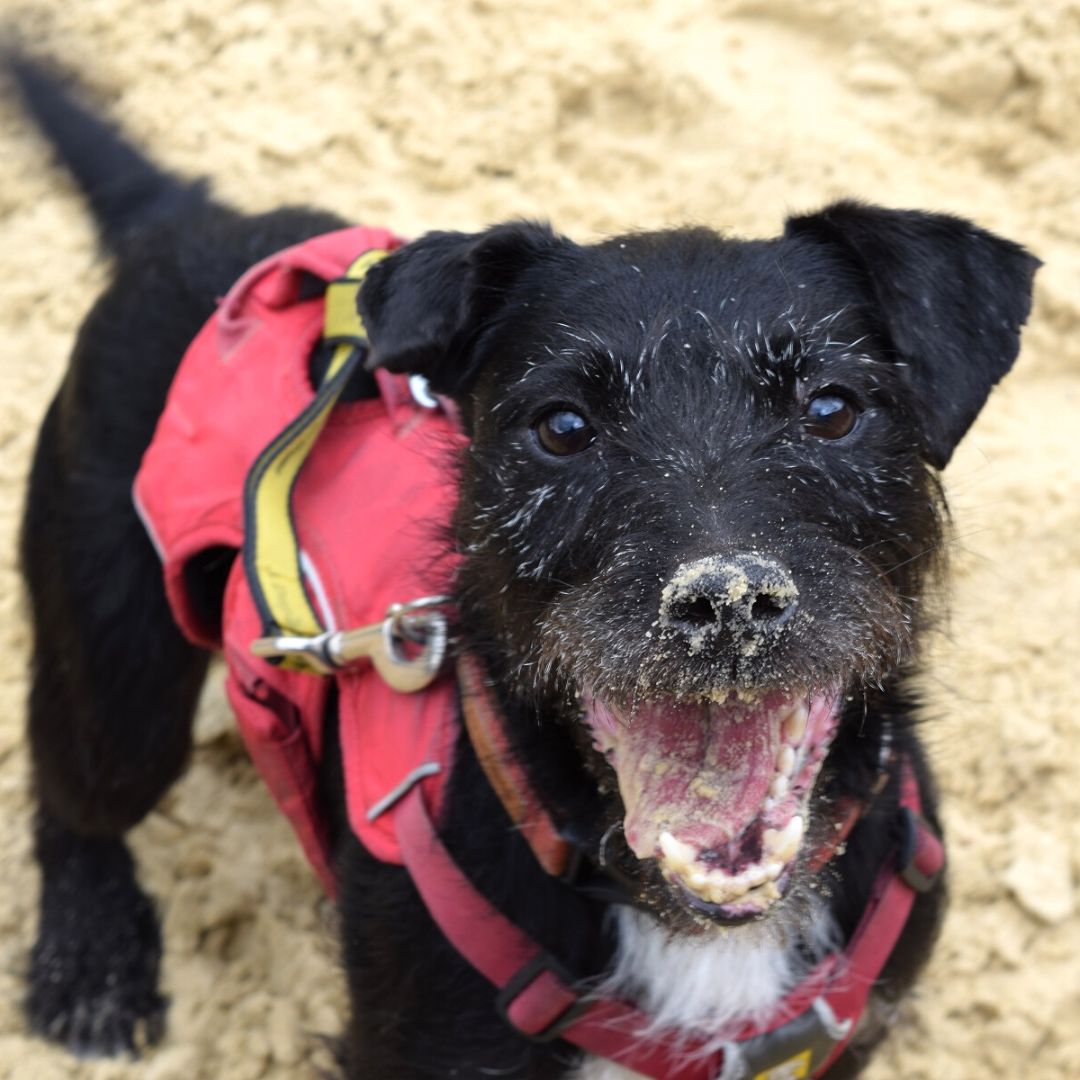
column 717, row 795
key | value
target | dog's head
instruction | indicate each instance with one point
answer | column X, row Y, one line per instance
column 696, row 512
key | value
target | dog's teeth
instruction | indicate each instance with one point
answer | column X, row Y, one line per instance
column 725, row 889
column 680, row 855
column 794, row 726
column 762, row 896
column 778, row 788
column 782, row 844
column 755, row 876
column 754, row 885
column 785, row 761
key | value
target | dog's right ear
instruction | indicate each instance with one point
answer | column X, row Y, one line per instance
column 427, row 303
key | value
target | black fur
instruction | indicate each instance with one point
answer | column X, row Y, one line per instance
column 692, row 357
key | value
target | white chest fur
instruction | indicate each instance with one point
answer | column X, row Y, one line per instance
column 709, row 983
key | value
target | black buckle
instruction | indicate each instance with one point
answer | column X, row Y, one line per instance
column 911, row 824
column 524, row 977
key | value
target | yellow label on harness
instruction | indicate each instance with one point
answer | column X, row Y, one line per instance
column 796, row 1068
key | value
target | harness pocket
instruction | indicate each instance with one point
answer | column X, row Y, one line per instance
column 273, row 731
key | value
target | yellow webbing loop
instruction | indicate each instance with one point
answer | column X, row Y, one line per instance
column 271, row 548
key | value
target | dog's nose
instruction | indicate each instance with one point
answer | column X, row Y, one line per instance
column 750, row 596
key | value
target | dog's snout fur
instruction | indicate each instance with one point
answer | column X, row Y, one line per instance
column 746, row 597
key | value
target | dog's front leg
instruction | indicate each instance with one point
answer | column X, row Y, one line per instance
column 94, row 968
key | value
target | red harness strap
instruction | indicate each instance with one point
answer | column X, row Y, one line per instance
column 538, row 998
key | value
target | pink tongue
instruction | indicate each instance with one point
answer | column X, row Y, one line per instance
column 700, row 772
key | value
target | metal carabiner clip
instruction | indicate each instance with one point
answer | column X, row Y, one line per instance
column 382, row 643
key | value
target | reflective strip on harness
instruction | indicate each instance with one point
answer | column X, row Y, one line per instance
column 271, row 549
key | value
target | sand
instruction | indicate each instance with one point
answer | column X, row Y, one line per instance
column 601, row 116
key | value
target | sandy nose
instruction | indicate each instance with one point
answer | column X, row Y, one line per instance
column 742, row 593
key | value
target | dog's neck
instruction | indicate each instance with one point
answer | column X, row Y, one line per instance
column 713, row 983
column 722, row 979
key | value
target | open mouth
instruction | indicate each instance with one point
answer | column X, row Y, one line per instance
column 718, row 792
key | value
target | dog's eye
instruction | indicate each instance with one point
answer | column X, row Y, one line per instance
column 563, row 432
column 829, row 416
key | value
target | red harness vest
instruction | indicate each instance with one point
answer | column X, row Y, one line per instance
column 372, row 503
column 242, row 381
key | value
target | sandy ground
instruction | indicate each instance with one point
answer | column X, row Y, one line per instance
column 603, row 117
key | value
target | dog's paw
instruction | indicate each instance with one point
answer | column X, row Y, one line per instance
column 94, row 974
column 100, row 1023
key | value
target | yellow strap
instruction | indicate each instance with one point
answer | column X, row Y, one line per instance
column 271, row 548
column 342, row 320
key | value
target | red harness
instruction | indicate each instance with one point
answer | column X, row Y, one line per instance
column 243, row 380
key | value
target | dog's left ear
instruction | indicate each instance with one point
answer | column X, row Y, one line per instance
column 953, row 298
column 426, row 305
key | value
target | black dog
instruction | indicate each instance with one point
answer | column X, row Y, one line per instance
column 697, row 515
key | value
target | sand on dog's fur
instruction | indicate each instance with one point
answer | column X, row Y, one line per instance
column 603, row 117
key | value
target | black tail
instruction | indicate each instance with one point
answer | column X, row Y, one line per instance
column 126, row 191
